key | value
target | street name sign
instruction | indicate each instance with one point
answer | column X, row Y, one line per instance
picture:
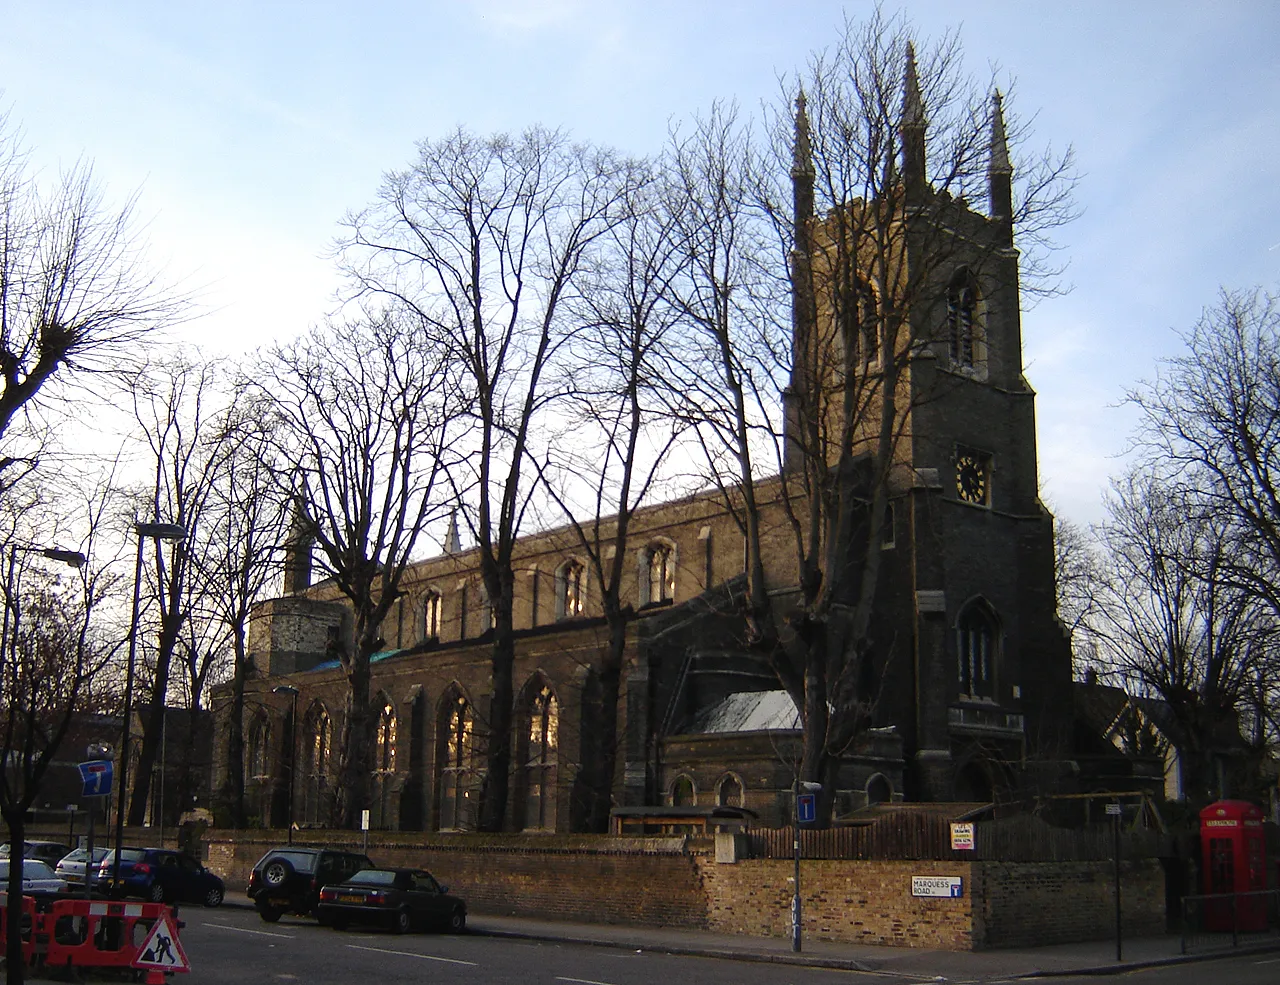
column 945, row 887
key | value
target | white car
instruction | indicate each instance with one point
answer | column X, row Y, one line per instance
column 37, row 877
column 72, row 867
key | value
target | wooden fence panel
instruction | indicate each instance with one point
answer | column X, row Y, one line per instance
column 919, row 836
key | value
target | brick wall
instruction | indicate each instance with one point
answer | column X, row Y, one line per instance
column 855, row 901
column 646, row 881
column 676, row 882
column 1030, row 903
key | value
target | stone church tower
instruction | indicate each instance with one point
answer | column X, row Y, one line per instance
column 978, row 673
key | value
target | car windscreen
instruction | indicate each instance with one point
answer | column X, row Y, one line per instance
column 373, row 877
column 301, row 861
column 79, row 855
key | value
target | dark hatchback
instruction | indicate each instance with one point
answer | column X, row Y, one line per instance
column 161, row 876
column 400, row 899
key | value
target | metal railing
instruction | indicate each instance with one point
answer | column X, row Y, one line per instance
column 1222, row 920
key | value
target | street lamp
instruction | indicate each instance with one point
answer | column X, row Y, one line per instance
column 73, row 559
column 144, row 532
column 292, row 691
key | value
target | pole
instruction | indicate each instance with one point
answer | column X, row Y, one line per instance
column 795, row 845
column 1115, row 829
column 8, row 596
column 123, row 771
column 293, row 755
column 88, row 860
column 164, row 735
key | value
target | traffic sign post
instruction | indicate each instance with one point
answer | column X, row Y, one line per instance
column 96, row 777
column 806, row 813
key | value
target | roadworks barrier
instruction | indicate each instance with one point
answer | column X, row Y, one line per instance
column 81, row 933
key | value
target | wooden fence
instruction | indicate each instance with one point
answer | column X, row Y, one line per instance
column 916, row 836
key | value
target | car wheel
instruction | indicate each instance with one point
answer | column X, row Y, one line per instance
column 277, row 872
column 403, row 921
column 156, row 893
column 213, row 897
column 269, row 913
column 457, row 920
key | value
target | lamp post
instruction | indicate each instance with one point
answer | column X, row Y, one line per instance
column 73, row 559
column 144, row 532
column 292, row 691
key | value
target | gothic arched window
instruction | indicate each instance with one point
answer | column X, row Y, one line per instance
column 384, row 763
column 570, row 583
column 729, row 793
column 455, row 763
column 963, row 329
column 659, row 573
column 259, row 752
column 976, row 638
column 431, row 607
column 683, row 793
column 317, row 750
column 541, row 760
column 861, row 328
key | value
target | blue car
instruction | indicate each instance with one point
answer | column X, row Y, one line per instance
column 160, row 875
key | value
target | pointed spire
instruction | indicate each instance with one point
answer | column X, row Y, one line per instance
column 914, row 125
column 452, row 540
column 802, row 150
column 912, row 101
column 1000, row 174
column 999, row 142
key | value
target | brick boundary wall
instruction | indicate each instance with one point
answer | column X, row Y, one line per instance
column 676, row 882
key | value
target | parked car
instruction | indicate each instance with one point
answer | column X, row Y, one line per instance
column 37, row 877
column 289, row 879
column 46, row 851
column 160, row 875
column 72, row 867
column 400, row 899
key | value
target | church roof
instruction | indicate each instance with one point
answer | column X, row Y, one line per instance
column 749, row 711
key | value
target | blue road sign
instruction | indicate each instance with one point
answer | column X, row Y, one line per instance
column 807, row 808
column 96, row 777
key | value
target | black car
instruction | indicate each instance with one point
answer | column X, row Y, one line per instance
column 289, row 879
column 397, row 898
column 160, row 875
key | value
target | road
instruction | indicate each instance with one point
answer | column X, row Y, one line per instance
column 234, row 947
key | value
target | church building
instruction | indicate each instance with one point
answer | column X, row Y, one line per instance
column 973, row 703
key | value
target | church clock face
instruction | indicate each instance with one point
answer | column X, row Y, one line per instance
column 971, row 477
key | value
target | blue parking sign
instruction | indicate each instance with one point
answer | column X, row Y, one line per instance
column 95, row 775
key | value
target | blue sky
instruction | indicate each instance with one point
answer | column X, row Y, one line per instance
column 248, row 129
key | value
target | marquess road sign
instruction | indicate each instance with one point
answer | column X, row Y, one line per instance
column 942, row 886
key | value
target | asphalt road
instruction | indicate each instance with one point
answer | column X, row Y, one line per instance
column 235, row 947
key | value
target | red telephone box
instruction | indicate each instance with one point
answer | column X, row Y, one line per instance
column 1233, row 857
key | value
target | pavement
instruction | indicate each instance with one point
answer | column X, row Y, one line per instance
column 916, row 963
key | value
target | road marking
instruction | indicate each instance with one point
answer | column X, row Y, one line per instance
column 242, row 930
column 411, row 954
column 1269, row 961
column 583, row 981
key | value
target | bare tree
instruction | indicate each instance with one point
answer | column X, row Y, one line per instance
column 75, row 294
column 176, row 404
column 482, row 241
column 245, row 524
column 1175, row 624
column 1212, row 418
column 616, row 445
column 857, row 250
column 363, row 412
column 52, row 647
column 1077, row 577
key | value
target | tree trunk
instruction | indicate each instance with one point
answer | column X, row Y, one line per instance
column 357, row 746
column 233, row 791
column 602, row 765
